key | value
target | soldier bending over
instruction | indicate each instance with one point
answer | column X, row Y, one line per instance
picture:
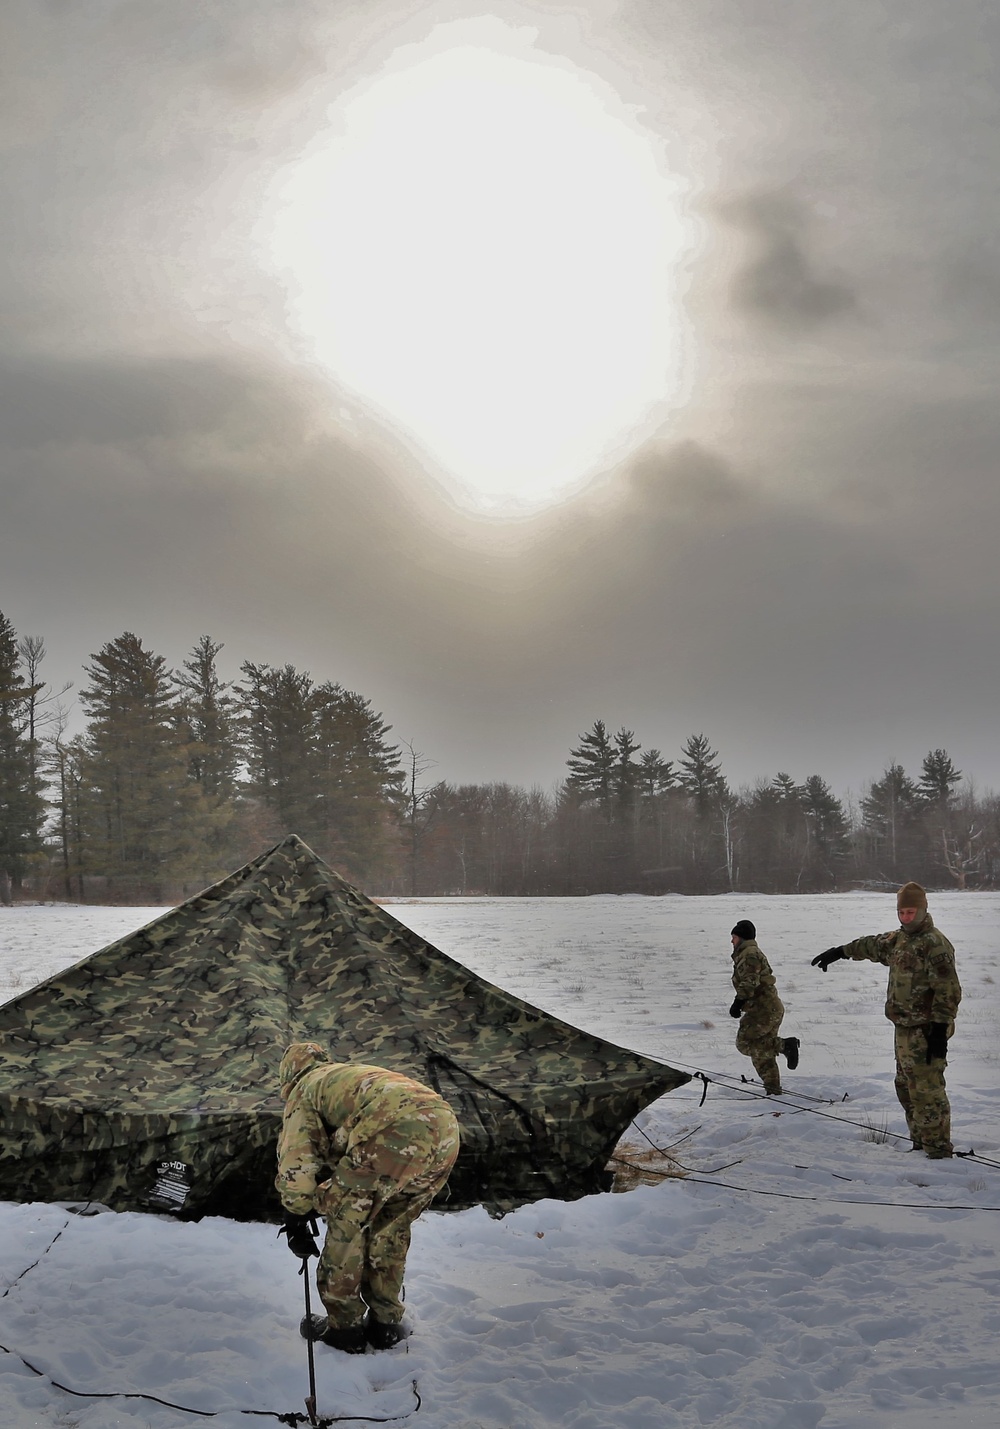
column 367, row 1149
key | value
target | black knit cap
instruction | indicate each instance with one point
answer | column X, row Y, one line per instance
column 744, row 929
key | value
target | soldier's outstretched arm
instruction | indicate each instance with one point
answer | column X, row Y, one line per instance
column 823, row 961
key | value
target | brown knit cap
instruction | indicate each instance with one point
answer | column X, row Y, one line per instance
column 299, row 1058
column 911, row 895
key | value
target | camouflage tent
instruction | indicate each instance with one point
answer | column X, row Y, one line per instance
column 145, row 1077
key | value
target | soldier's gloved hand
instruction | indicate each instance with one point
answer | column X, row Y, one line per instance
column 832, row 955
column 737, row 1008
column 937, row 1040
column 301, row 1233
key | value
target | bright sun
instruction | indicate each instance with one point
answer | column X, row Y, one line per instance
column 485, row 247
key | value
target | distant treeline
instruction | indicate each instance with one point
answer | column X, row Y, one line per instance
column 180, row 777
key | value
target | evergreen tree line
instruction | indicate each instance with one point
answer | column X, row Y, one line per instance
column 180, row 776
column 627, row 820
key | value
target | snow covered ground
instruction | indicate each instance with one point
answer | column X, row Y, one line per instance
column 810, row 1270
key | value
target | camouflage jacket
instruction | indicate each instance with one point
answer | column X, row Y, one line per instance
column 923, row 984
column 330, row 1108
column 752, row 975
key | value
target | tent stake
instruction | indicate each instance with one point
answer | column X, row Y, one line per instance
column 311, row 1398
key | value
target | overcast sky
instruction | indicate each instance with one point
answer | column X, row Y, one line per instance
column 799, row 562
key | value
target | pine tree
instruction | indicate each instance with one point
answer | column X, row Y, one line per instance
column 279, row 737
column 626, row 772
column 890, row 810
column 656, row 779
column 786, row 790
column 709, row 821
column 774, row 834
column 656, row 774
column 320, row 760
column 22, row 807
column 592, row 766
column 829, row 846
column 938, row 779
column 600, row 801
column 209, row 713
column 953, row 840
column 359, row 783
column 143, row 819
column 700, row 774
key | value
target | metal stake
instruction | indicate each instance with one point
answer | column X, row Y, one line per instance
column 311, row 1400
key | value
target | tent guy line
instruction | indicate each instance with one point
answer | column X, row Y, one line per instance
column 28, row 1268
column 291, row 1417
column 702, row 1178
column 840, row 1200
column 729, row 1083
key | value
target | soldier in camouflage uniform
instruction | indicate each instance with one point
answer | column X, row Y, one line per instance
column 759, row 1009
column 921, row 1002
column 368, row 1149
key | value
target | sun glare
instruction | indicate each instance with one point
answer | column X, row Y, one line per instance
column 484, row 246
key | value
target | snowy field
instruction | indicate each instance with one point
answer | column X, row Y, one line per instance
column 809, row 1271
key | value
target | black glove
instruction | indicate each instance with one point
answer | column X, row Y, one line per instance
column 937, row 1040
column 301, row 1232
column 737, row 1008
column 832, row 955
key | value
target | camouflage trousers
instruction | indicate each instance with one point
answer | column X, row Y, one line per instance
column 376, row 1192
column 758, row 1039
column 921, row 1091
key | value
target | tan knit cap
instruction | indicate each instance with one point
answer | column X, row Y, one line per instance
column 911, row 895
column 298, row 1059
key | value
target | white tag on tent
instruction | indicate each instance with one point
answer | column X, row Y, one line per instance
column 172, row 1186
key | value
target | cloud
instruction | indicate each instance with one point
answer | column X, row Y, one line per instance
column 688, row 593
column 783, row 283
column 684, row 477
column 802, row 565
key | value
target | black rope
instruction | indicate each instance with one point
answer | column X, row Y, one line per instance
column 17, row 1279
column 667, row 1154
column 729, row 1083
column 291, row 1418
column 839, row 1200
column 294, row 1417
column 665, row 1151
column 702, row 1179
column 699, row 1074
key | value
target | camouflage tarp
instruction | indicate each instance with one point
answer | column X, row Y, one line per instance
column 145, row 1077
